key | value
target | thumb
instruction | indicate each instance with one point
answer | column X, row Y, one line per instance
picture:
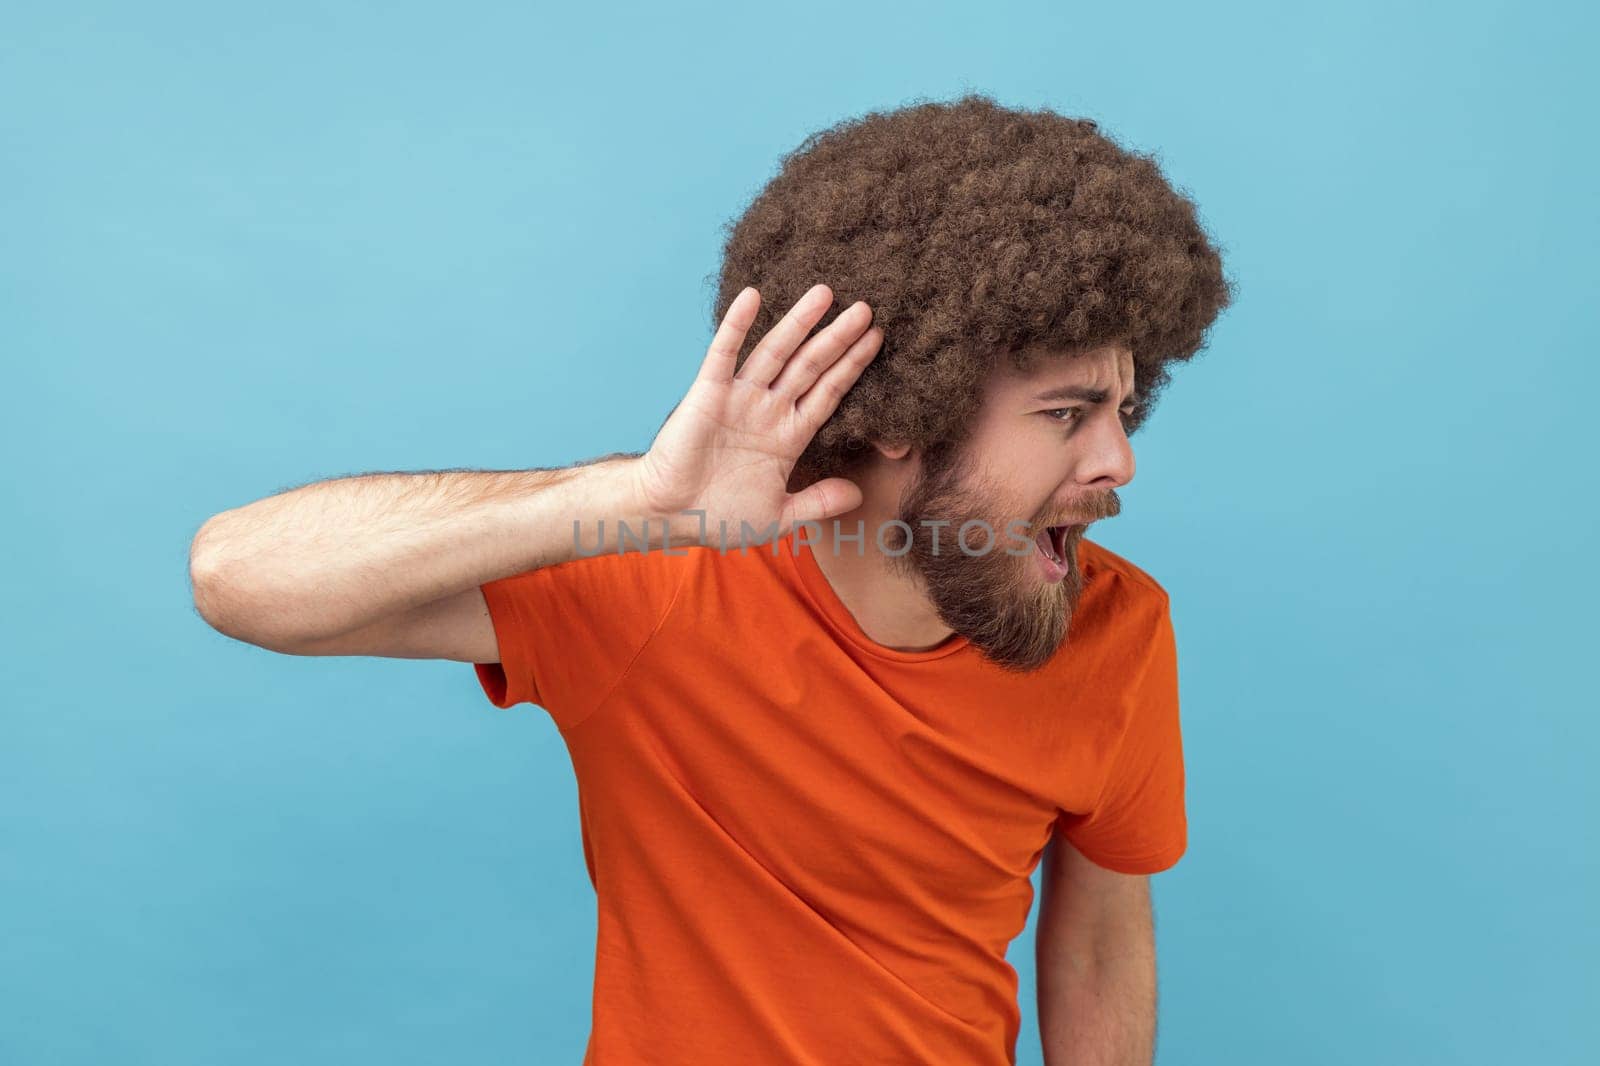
column 825, row 499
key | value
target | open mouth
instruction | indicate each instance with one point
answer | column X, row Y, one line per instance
column 1052, row 541
column 1051, row 546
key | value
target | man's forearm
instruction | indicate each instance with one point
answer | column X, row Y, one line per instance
column 326, row 558
column 1096, row 1011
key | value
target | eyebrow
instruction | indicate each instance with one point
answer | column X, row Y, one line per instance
column 1081, row 392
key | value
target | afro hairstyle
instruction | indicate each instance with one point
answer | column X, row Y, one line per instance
column 975, row 232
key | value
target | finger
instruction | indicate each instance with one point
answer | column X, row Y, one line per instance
column 821, row 399
column 770, row 353
column 826, row 499
column 822, row 351
column 723, row 355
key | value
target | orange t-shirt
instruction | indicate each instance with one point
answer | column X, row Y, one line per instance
column 808, row 848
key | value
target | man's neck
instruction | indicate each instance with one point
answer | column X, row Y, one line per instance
column 888, row 604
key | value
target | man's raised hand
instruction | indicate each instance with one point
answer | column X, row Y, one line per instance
column 729, row 446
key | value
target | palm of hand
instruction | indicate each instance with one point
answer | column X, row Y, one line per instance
column 730, row 445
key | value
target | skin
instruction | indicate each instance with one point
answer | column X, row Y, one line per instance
column 1095, row 960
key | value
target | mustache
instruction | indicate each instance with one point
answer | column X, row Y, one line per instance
column 1090, row 507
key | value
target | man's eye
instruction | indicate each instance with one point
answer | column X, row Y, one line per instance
column 1069, row 415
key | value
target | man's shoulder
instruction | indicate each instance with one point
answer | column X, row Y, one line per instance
column 635, row 570
column 1102, row 566
column 680, row 563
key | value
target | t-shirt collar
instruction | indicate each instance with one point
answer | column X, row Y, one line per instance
column 816, row 586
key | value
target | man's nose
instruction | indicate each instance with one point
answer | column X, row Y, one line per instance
column 1109, row 461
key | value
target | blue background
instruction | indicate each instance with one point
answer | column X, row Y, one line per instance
column 245, row 249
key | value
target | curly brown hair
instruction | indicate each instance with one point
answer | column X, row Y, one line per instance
column 974, row 231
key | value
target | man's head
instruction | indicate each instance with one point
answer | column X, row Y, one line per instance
column 1007, row 255
column 976, row 233
column 1042, row 458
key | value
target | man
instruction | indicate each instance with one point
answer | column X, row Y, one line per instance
column 834, row 663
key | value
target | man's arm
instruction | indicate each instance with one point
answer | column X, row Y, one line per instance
column 1096, row 962
column 391, row 564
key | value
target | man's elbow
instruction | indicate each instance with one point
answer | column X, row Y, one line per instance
column 223, row 599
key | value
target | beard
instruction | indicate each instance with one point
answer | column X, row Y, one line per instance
column 1000, row 602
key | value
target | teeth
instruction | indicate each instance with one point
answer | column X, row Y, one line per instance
column 1048, row 542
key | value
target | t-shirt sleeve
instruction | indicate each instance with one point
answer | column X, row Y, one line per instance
column 567, row 633
column 1139, row 824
